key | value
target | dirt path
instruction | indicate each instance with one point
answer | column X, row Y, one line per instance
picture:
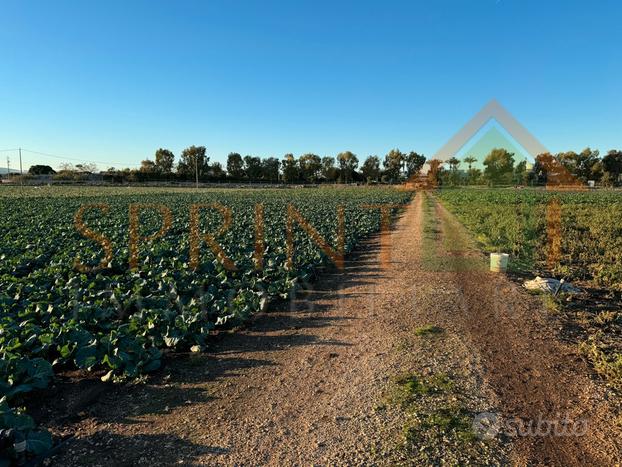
column 308, row 385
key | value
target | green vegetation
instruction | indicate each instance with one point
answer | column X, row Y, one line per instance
column 445, row 421
column 116, row 320
column 587, row 246
column 428, row 330
column 500, row 168
column 590, row 234
column 606, row 363
column 410, row 386
column 436, row 417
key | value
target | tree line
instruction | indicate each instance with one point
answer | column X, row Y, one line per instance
column 194, row 163
column 501, row 168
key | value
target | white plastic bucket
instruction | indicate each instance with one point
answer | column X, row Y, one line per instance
column 499, row 262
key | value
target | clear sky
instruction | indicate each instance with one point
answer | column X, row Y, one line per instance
column 112, row 81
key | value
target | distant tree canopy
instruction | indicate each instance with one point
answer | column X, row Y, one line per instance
column 41, row 170
column 310, row 167
column 393, row 164
column 371, row 168
column 612, row 167
column 193, row 160
column 290, row 168
column 469, row 161
column 329, row 171
column 270, row 169
column 252, row 167
column 348, row 162
column 148, row 166
column 499, row 166
column 580, row 165
column 216, row 172
column 453, row 162
column 414, row 163
column 164, row 160
column 235, row 166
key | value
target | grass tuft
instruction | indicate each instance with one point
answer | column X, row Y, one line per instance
column 444, row 421
column 411, row 387
column 428, row 330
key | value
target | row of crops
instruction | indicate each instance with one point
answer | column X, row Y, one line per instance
column 70, row 299
column 585, row 244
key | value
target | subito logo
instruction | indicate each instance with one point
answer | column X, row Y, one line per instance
column 486, row 425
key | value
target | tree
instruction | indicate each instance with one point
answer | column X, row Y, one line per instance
column 348, row 162
column 520, row 173
column 148, row 166
column 371, row 168
column 612, row 167
column 470, row 160
column 41, row 170
column 499, row 166
column 252, row 167
column 453, row 164
column 414, row 163
column 569, row 160
column 329, row 171
column 193, row 160
column 215, row 171
column 580, row 165
column 66, row 167
column 475, row 176
column 540, row 172
column 434, row 174
column 472, row 175
column 393, row 164
column 235, row 166
column 164, row 160
column 453, row 177
column 290, row 168
column 310, row 167
column 597, row 171
column 86, row 168
column 270, row 169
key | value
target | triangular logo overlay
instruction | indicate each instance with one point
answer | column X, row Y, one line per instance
column 558, row 176
column 492, row 110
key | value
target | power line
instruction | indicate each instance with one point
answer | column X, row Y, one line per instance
column 56, row 156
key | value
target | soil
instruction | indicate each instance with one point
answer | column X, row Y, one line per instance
column 309, row 383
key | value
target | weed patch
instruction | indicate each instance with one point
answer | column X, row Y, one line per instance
column 428, row 330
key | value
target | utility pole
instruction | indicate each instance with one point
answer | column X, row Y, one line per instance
column 8, row 168
column 196, row 169
column 21, row 172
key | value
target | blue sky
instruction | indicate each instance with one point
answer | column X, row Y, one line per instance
column 113, row 81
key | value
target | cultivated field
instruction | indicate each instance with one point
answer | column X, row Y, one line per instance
column 588, row 235
column 575, row 236
column 244, row 327
column 147, row 278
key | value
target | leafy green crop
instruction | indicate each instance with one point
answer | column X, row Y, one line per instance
column 117, row 320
